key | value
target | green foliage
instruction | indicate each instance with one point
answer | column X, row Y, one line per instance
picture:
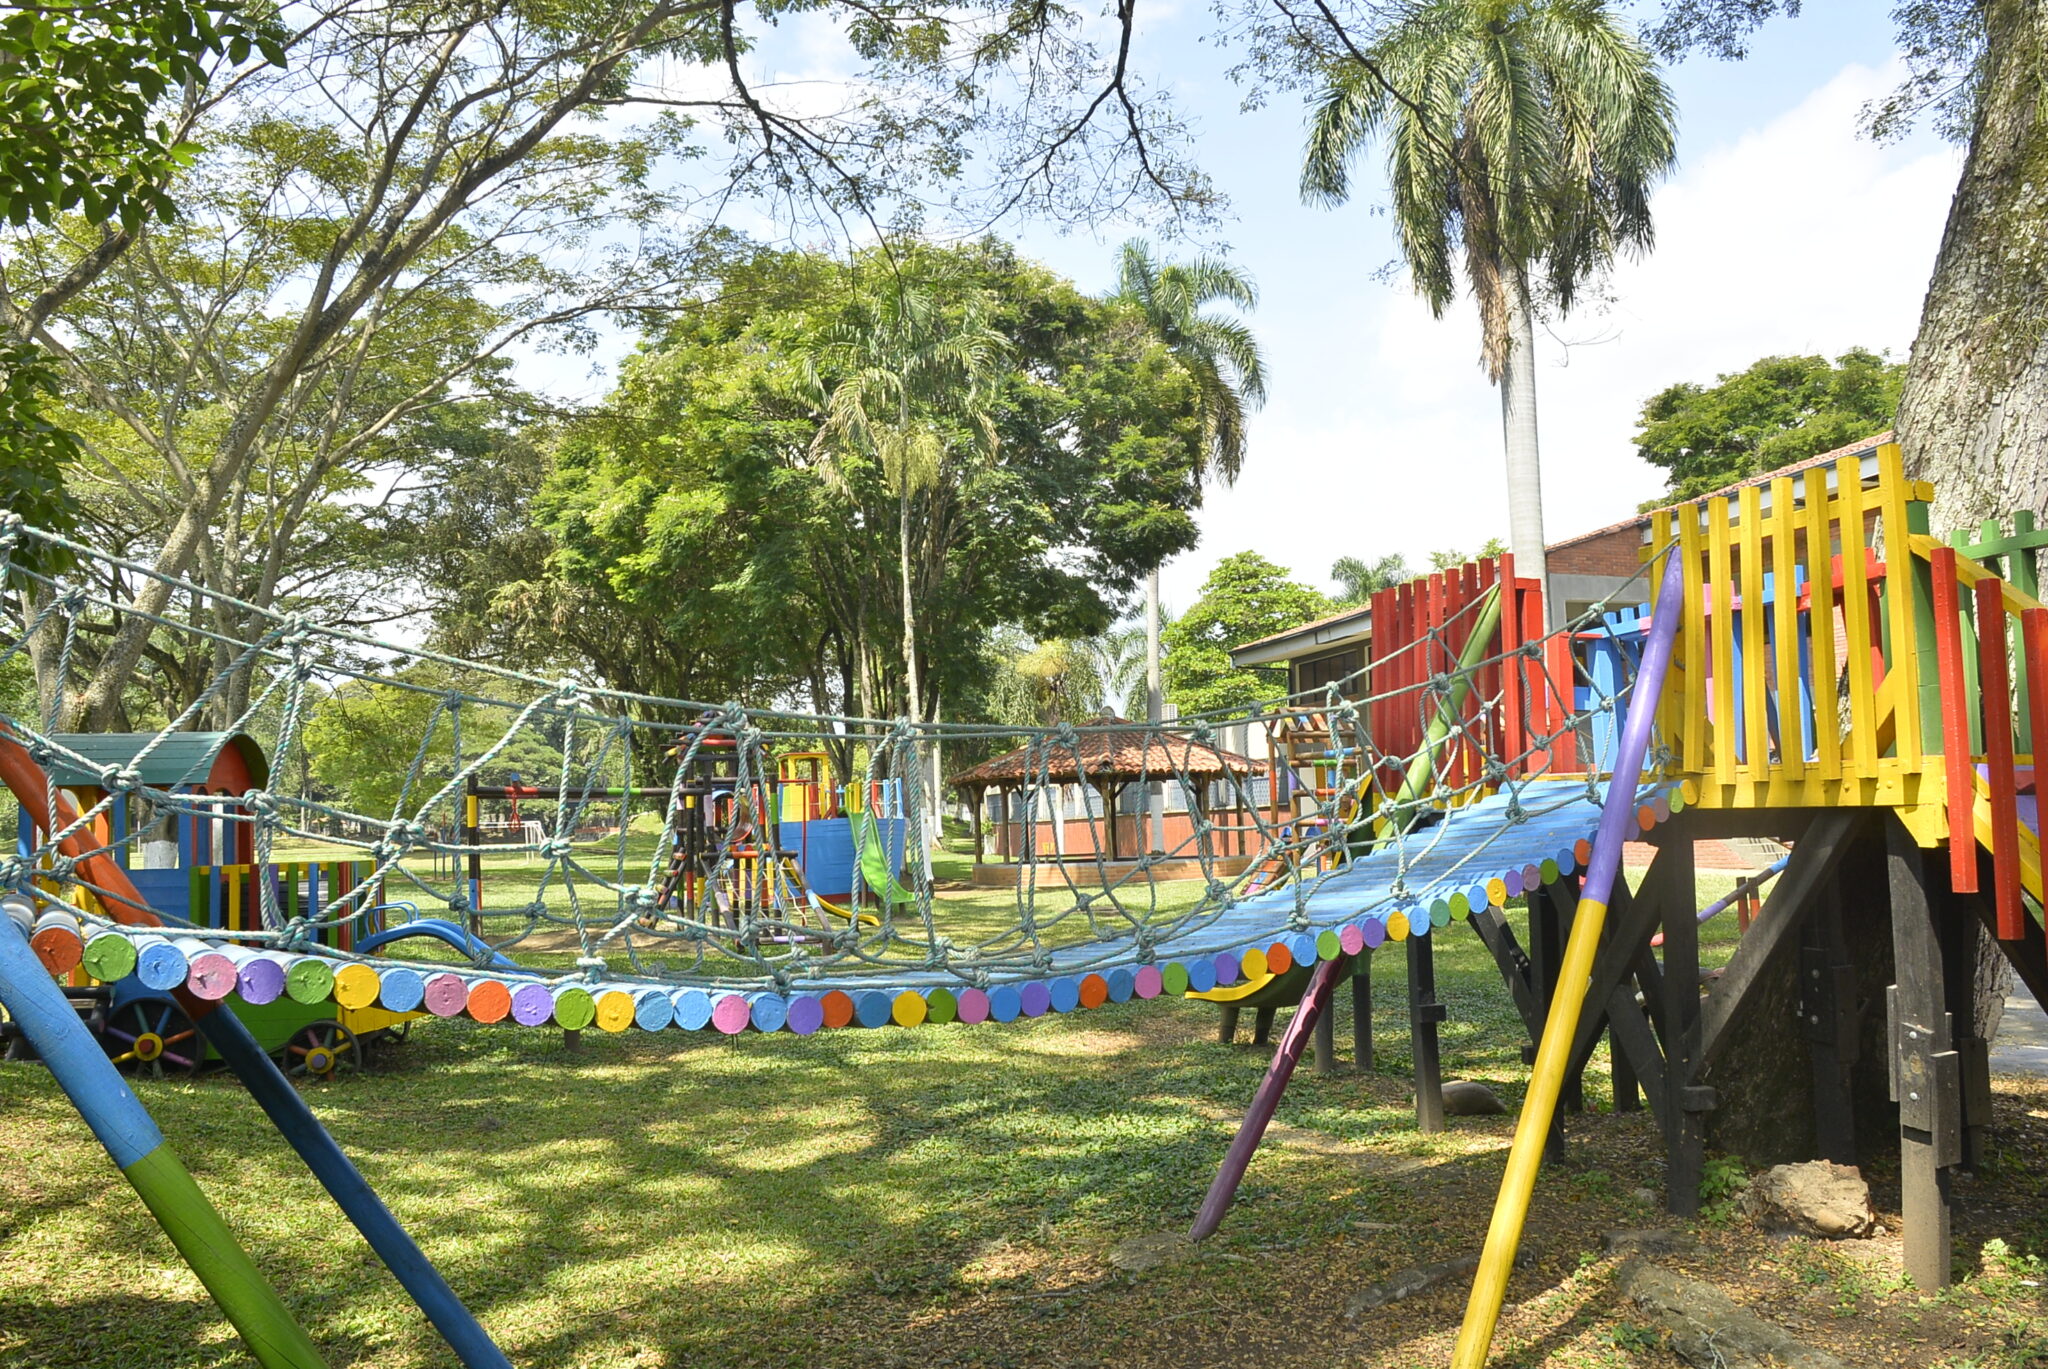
column 1781, row 410
column 1722, row 1179
column 1358, row 580
column 731, row 558
column 1525, row 138
column 1246, row 597
column 1219, row 352
column 1452, row 558
column 34, row 452
column 79, row 90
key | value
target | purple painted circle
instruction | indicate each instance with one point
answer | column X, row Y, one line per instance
column 1375, row 933
column 1064, row 994
column 1034, row 998
column 1351, row 938
column 447, row 995
column 262, row 980
column 1202, row 975
column 1513, row 880
column 730, row 1014
column 532, row 1005
column 1226, row 966
column 1004, row 1003
column 1122, row 984
column 1149, row 982
column 1532, row 878
column 806, row 1014
column 210, row 976
column 693, row 1009
column 973, row 1006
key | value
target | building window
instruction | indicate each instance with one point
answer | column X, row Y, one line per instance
column 1316, row 671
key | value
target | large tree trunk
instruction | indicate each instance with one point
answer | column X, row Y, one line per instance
column 1518, row 429
column 1155, row 704
column 1974, row 414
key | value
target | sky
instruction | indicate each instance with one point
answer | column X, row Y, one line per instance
column 1781, row 231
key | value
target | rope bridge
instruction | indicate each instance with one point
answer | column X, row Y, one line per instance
column 1471, row 774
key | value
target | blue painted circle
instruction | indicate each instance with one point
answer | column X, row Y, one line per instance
column 1004, row 1003
column 652, row 1010
column 1122, row 984
column 1065, row 993
column 160, row 965
column 872, row 1008
column 1201, row 975
column 401, row 989
column 770, row 1011
column 1303, row 946
column 693, row 1009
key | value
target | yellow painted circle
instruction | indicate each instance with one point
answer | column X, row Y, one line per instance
column 1497, row 892
column 355, row 986
column 1397, row 926
column 909, row 1009
column 1253, row 963
column 614, row 1010
column 1690, row 791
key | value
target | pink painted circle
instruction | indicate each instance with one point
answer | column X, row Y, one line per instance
column 1151, row 983
column 973, row 1006
column 731, row 1013
column 1351, row 937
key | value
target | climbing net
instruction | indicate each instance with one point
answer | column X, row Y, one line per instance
column 710, row 893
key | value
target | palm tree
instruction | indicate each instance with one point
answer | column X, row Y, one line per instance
column 1222, row 356
column 1358, row 581
column 911, row 395
column 1526, row 135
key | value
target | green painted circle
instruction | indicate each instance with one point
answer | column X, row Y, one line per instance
column 1677, row 801
column 1550, row 871
column 574, row 1009
column 1329, row 946
column 309, row 980
column 1461, row 908
column 942, row 1006
column 1441, row 913
column 108, row 957
column 1174, row 979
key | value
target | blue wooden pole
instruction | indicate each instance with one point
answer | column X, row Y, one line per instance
column 351, row 1192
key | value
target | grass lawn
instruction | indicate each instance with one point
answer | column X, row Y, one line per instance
column 944, row 1196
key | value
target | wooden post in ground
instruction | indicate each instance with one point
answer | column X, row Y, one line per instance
column 1262, row 1026
column 1828, row 1018
column 1326, row 1042
column 1226, row 1024
column 1361, row 1011
column 1685, row 1139
column 1424, row 1012
column 1925, row 1072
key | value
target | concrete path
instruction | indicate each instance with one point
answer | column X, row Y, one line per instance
column 2022, row 1043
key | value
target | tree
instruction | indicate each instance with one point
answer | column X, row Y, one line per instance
column 1452, row 558
column 479, row 140
column 911, row 396
column 1528, row 136
column 1781, row 410
column 1357, row 580
column 1246, row 597
column 1223, row 357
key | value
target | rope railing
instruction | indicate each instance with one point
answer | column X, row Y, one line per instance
column 714, row 901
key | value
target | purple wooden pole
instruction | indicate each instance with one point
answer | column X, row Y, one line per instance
column 1314, row 1003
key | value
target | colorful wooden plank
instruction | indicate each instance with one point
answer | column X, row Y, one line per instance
column 1855, row 586
column 1902, row 589
column 1998, row 756
column 1955, row 727
column 1721, row 619
column 1820, row 582
column 1752, row 566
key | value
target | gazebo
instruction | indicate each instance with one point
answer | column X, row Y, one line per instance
column 1110, row 754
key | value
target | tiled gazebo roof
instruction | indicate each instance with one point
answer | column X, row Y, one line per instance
column 1107, row 750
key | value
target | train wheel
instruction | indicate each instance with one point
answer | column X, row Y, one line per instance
column 153, row 1037
column 322, row 1051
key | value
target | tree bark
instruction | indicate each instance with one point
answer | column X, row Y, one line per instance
column 1155, row 703
column 1518, row 429
column 1974, row 414
column 1973, row 417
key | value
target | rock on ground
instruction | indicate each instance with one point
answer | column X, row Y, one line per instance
column 1817, row 1198
column 1708, row 1329
column 1465, row 1098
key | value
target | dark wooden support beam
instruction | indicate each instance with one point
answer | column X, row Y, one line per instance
column 1361, row 1011
column 1631, row 919
column 1326, row 1042
column 1959, row 940
column 1424, row 1012
column 1829, row 1021
column 2028, row 954
column 1808, row 873
column 1262, row 1025
column 1226, row 1024
column 1513, row 963
column 1926, row 1075
column 1685, row 1103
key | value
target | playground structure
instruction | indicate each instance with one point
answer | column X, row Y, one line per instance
column 1785, row 683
